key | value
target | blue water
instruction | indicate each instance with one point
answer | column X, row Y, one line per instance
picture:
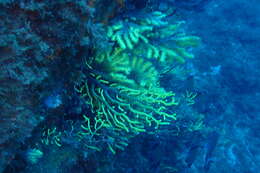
column 49, row 51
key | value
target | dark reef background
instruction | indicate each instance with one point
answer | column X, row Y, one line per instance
column 42, row 48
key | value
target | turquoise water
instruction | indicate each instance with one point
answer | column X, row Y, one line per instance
column 87, row 86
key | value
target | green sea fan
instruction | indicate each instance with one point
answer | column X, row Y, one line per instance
column 128, row 97
column 122, row 86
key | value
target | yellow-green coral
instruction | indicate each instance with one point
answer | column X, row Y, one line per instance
column 51, row 136
column 126, row 96
column 94, row 133
column 122, row 86
column 161, row 40
column 190, row 97
column 126, row 35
